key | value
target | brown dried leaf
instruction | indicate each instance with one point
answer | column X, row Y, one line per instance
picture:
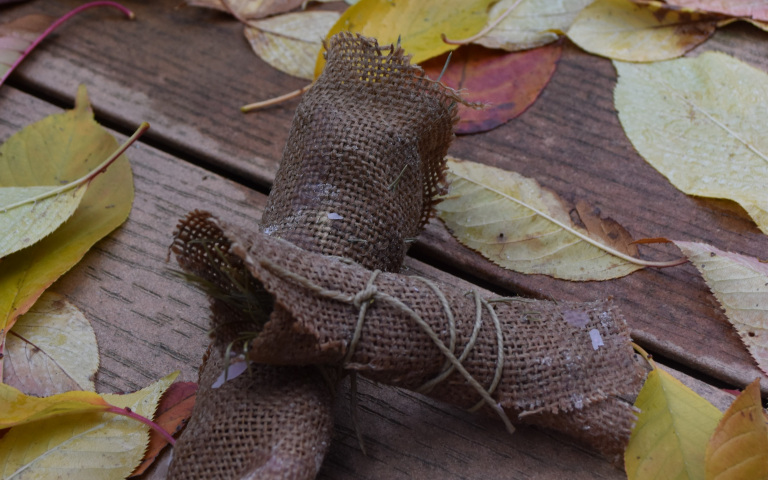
column 507, row 82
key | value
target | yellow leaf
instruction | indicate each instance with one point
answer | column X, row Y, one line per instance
column 291, row 42
column 671, row 433
column 531, row 24
column 700, row 122
column 418, row 23
column 646, row 32
column 82, row 446
column 19, row 408
column 63, row 147
column 51, row 349
column 738, row 450
column 740, row 284
column 515, row 223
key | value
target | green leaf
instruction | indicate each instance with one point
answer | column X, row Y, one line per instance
column 62, row 148
column 28, row 214
column 672, row 430
column 51, row 349
column 701, row 123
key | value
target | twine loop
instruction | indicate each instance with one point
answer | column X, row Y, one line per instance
column 365, row 297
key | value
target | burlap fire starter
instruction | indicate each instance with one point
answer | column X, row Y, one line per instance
column 358, row 174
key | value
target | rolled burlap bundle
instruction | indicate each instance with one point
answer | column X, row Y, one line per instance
column 562, row 365
column 361, row 166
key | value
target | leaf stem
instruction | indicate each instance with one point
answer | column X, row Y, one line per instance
column 645, row 355
column 573, row 231
column 56, row 24
column 484, row 31
column 127, row 412
column 274, row 101
column 87, row 177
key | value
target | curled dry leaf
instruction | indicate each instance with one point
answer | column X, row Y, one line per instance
column 63, row 147
column 672, row 430
column 639, row 32
column 416, row 23
column 76, row 439
column 531, row 24
column 748, row 9
column 701, row 123
column 51, row 349
column 514, row 222
column 507, row 82
column 740, row 284
column 291, row 42
column 245, row 10
column 739, row 447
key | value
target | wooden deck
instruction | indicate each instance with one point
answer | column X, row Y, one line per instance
column 188, row 70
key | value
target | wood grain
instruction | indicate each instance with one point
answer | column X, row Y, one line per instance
column 149, row 323
column 187, row 70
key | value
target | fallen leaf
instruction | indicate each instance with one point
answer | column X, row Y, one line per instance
column 174, row 410
column 507, row 82
column 21, row 409
column 739, row 447
column 80, row 444
column 19, row 37
column 51, row 349
column 700, row 122
column 16, row 37
column 514, row 222
column 245, row 10
column 670, row 436
column 531, row 24
column 63, row 147
column 752, row 9
column 418, row 24
column 639, row 32
column 740, row 284
column 291, row 42
column 28, row 214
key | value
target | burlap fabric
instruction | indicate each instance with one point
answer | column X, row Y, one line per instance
column 364, row 156
column 267, row 423
column 358, row 174
column 564, row 365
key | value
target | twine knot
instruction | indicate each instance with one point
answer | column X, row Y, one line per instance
column 367, row 295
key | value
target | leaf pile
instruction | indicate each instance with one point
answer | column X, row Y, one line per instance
column 64, row 185
column 698, row 121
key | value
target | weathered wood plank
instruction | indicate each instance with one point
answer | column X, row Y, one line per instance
column 149, row 323
column 187, row 70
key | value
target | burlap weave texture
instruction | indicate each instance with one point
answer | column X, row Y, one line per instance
column 364, row 156
column 358, row 174
column 564, row 365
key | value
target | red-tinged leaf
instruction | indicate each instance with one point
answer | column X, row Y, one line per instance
column 507, row 82
column 172, row 413
column 19, row 38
